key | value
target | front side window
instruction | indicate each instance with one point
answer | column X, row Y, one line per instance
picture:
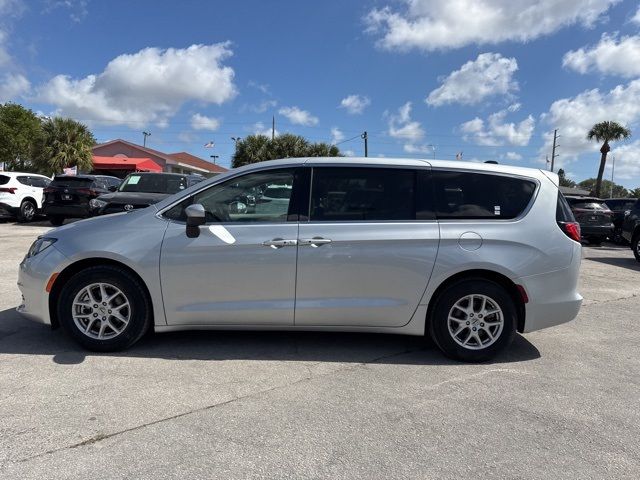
column 466, row 195
column 255, row 197
column 351, row 194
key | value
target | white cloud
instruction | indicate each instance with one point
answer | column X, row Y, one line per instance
column 263, row 87
column 403, row 127
column 202, row 122
column 13, row 85
column 77, row 8
column 574, row 116
column 348, row 153
column 636, row 18
column 146, row 87
column 336, row 135
column 627, row 161
column 261, row 107
column 610, row 56
column 496, row 131
column 515, row 156
column 422, row 149
column 259, row 128
column 298, row 116
column 489, row 74
column 5, row 58
column 355, row 104
column 442, row 24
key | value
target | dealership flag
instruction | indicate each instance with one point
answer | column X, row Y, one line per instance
column 209, row 145
column 71, row 171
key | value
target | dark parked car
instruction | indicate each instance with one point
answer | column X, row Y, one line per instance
column 594, row 216
column 139, row 190
column 631, row 229
column 619, row 206
column 68, row 196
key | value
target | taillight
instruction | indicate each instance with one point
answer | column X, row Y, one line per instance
column 49, row 190
column 86, row 191
column 8, row 189
column 571, row 229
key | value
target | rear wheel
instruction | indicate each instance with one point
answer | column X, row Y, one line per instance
column 635, row 245
column 104, row 308
column 56, row 221
column 596, row 240
column 27, row 211
column 473, row 320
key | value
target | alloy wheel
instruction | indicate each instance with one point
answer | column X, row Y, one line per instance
column 475, row 321
column 101, row 311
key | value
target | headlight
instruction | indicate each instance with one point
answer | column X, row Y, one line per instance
column 96, row 203
column 39, row 245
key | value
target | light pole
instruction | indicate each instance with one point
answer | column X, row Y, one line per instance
column 433, row 147
column 146, row 134
column 214, row 158
column 236, row 139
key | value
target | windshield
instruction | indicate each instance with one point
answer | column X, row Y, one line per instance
column 153, row 183
column 590, row 206
column 79, row 182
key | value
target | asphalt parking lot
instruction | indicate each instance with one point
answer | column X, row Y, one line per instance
column 560, row 403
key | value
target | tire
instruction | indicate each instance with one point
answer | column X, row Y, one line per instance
column 503, row 327
column 27, row 211
column 56, row 221
column 104, row 330
column 635, row 246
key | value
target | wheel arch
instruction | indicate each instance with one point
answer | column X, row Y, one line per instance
column 491, row 275
column 30, row 198
column 80, row 265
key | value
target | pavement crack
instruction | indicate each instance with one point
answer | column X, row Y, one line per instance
column 104, row 436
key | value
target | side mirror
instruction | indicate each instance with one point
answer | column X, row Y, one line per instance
column 195, row 217
column 112, row 188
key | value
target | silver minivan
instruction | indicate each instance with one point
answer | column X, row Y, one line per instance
column 465, row 253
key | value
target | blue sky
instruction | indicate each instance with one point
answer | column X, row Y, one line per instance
column 489, row 78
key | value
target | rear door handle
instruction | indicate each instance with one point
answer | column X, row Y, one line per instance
column 314, row 242
column 279, row 243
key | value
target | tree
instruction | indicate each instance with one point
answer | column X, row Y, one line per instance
column 564, row 181
column 65, row 143
column 635, row 192
column 618, row 190
column 606, row 132
column 19, row 130
column 258, row 148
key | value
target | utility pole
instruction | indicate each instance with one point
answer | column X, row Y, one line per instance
column 214, row 158
column 365, row 137
column 613, row 169
column 273, row 127
column 555, row 145
column 146, row 134
column 547, row 161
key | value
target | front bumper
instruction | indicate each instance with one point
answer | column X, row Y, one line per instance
column 33, row 275
column 68, row 211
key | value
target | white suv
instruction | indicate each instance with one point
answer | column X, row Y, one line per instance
column 21, row 194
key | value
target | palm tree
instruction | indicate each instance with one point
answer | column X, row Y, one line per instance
column 606, row 132
column 65, row 143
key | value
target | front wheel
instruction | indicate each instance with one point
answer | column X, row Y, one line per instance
column 473, row 320
column 104, row 308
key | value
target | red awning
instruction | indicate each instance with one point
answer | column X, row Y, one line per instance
column 126, row 163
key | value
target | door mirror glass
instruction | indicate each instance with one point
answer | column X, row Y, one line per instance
column 113, row 188
column 195, row 217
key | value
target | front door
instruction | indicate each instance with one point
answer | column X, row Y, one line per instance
column 367, row 253
column 241, row 269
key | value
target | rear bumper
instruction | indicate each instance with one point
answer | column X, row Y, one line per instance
column 68, row 211
column 553, row 296
column 601, row 230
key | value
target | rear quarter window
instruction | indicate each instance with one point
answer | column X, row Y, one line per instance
column 4, row 179
column 470, row 195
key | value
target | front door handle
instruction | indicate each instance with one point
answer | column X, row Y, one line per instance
column 314, row 242
column 279, row 243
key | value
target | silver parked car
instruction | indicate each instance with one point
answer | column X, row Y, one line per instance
column 465, row 253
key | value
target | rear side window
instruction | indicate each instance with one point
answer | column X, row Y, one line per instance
column 4, row 179
column 460, row 195
column 349, row 194
column 563, row 210
column 24, row 180
column 38, row 182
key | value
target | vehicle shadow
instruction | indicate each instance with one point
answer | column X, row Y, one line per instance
column 23, row 337
column 627, row 262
